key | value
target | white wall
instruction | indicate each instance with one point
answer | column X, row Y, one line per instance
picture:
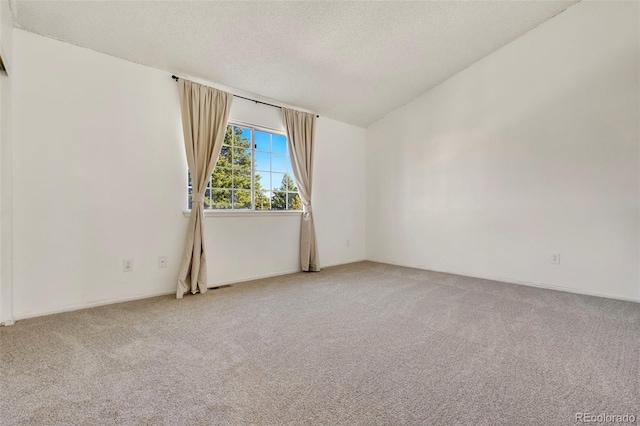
column 532, row 150
column 6, row 166
column 100, row 176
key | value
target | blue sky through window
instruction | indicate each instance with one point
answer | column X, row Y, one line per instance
column 263, row 141
column 279, row 163
column 263, row 161
column 279, row 144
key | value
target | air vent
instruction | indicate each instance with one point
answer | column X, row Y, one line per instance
column 220, row 286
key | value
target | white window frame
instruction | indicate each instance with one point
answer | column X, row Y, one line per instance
column 232, row 212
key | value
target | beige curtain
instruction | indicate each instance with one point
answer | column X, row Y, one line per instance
column 205, row 111
column 300, row 138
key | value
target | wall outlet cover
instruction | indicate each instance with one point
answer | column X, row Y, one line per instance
column 127, row 265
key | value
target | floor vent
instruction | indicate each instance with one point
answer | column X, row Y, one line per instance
column 220, row 286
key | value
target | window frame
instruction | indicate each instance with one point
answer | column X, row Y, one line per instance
column 252, row 211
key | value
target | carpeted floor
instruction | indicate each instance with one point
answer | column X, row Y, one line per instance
column 359, row 344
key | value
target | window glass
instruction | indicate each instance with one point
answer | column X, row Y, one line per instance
column 253, row 172
column 279, row 144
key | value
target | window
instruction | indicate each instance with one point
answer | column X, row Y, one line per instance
column 253, row 172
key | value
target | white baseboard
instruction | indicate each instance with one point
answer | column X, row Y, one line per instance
column 276, row 274
column 252, row 278
column 79, row 306
column 329, row 265
column 516, row 281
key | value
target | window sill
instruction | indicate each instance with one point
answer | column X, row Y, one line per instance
column 246, row 213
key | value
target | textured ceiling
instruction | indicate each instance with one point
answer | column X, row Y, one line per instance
column 352, row 61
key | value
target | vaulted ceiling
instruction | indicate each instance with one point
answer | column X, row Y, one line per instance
column 352, row 61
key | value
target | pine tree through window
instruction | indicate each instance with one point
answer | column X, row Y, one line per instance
column 253, row 172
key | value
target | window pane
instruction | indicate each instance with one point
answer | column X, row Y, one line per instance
column 221, row 177
column 262, row 181
column 288, row 184
column 263, row 161
column 263, row 141
column 279, row 200
column 208, row 202
column 228, row 136
column 221, row 199
column 293, row 201
column 263, row 200
column 279, row 163
column 242, row 158
column 189, row 197
column 224, row 160
column 242, row 178
column 242, row 137
column 277, row 182
column 279, row 144
column 241, row 199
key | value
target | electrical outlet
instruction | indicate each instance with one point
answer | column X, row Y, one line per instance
column 162, row 261
column 127, row 265
column 555, row 258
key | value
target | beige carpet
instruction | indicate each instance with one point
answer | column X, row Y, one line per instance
column 362, row 344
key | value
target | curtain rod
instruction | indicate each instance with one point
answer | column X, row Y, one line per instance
column 176, row 78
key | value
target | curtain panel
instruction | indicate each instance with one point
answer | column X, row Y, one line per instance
column 205, row 112
column 301, row 128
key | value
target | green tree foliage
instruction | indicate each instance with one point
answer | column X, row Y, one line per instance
column 287, row 192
